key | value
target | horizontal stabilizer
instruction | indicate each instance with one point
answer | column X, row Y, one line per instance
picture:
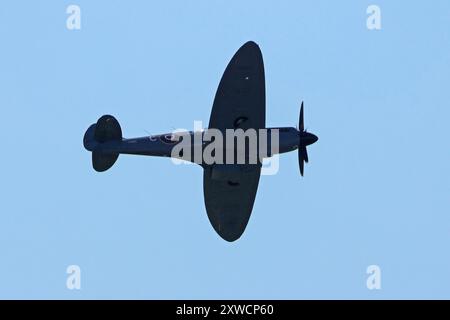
column 102, row 162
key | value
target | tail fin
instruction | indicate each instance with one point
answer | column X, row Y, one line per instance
column 106, row 129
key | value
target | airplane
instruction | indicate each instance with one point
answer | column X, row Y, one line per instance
column 229, row 189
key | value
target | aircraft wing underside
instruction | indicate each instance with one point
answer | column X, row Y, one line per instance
column 230, row 189
column 229, row 199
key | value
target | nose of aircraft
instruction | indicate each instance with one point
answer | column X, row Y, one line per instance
column 308, row 138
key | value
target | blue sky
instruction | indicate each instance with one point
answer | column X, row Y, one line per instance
column 376, row 190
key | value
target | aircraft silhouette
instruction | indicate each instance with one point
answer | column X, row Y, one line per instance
column 229, row 188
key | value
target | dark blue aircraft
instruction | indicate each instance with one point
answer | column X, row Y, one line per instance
column 240, row 103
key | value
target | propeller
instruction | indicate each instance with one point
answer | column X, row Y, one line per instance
column 305, row 139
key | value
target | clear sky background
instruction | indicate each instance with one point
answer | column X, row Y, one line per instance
column 376, row 190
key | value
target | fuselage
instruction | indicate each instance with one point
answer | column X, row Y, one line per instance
column 277, row 140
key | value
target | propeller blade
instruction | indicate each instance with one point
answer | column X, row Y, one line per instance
column 301, row 165
column 303, row 153
column 301, row 125
column 302, row 158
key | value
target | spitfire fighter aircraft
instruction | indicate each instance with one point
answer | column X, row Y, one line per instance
column 240, row 103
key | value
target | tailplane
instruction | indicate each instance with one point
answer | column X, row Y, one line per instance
column 106, row 129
